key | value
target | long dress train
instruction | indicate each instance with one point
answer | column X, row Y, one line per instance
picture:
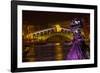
column 78, row 49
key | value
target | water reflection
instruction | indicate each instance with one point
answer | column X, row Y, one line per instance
column 46, row 52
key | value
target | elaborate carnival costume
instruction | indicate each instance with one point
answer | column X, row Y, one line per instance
column 78, row 49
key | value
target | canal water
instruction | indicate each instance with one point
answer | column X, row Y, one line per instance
column 47, row 52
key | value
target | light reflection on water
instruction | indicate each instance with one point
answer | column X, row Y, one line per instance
column 48, row 52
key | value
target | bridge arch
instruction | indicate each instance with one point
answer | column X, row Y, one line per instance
column 58, row 37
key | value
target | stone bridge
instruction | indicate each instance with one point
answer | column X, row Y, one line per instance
column 57, row 31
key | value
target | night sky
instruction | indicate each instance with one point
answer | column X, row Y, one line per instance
column 47, row 19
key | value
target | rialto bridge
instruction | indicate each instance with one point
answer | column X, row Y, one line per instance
column 57, row 32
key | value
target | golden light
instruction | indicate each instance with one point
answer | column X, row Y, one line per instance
column 57, row 43
column 29, row 36
column 58, row 28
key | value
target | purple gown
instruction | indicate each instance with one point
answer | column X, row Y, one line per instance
column 77, row 51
